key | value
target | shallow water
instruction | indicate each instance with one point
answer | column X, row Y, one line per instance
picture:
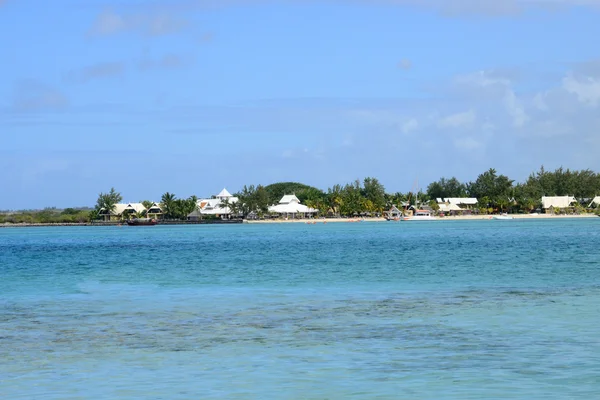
column 429, row 310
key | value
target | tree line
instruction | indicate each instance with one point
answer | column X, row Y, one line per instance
column 495, row 193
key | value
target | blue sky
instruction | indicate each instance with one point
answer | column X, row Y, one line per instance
column 190, row 96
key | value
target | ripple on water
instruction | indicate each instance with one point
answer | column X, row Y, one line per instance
column 465, row 310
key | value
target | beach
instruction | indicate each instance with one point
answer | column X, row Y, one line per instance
column 445, row 218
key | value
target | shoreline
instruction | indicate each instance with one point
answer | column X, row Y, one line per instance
column 304, row 221
column 447, row 218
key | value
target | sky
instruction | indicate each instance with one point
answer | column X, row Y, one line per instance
column 190, row 96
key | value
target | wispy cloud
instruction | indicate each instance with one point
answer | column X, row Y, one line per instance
column 451, row 8
column 405, row 64
column 110, row 23
column 587, row 88
column 460, row 120
column 34, row 96
column 167, row 61
column 507, row 129
column 493, row 8
column 95, row 71
column 494, row 85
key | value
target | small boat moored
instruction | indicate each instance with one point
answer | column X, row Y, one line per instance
column 142, row 222
column 502, row 216
column 419, row 215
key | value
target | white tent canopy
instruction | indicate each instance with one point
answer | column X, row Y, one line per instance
column 557, row 201
column 595, row 201
column 289, row 204
column 447, row 207
column 468, row 201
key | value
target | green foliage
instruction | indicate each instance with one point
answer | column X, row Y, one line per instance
column 374, row 193
column 147, row 204
column 304, row 192
column 561, row 182
column 107, row 201
column 253, row 199
column 47, row 216
column 445, row 188
column 489, row 184
column 168, row 205
column 495, row 193
column 174, row 208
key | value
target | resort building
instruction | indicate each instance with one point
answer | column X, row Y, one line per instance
column 122, row 210
column 216, row 206
column 456, row 204
column 552, row 203
column 289, row 206
column 595, row 202
column 155, row 211
column 393, row 213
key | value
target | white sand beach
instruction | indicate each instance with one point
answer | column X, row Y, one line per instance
column 446, row 218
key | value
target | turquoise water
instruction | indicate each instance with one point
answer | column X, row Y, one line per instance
column 419, row 310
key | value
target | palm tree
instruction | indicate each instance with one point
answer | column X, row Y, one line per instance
column 190, row 205
column 169, row 205
column 107, row 202
column 147, row 204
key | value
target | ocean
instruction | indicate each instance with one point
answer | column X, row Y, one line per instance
column 388, row 310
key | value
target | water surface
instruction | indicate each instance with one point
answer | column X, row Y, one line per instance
column 429, row 310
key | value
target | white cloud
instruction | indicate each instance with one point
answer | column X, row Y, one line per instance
column 515, row 109
column 539, row 101
column 95, row 71
column 110, row 23
column 459, row 120
column 287, row 154
column 492, row 85
column 484, row 79
column 489, row 7
column 405, row 64
column 587, row 89
column 167, row 61
column 467, row 143
column 35, row 96
column 410, row 126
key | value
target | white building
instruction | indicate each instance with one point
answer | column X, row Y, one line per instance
column 218, row 206
column 557, row 202
column 122, row 208
column 455, row 203
column 289, row 205
column 595, row 202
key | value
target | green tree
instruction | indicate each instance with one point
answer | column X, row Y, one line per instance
column 107, row 202
column 253, row 199
column 445, row 188
column 352, row 199
column 374, row 192
column 169, row 205
column 334, row 199
column 276, row 191
column 497, row 188
column 147, row 204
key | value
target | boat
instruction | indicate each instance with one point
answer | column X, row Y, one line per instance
column 142, row 222
column 502, row 216
column 420, row 215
